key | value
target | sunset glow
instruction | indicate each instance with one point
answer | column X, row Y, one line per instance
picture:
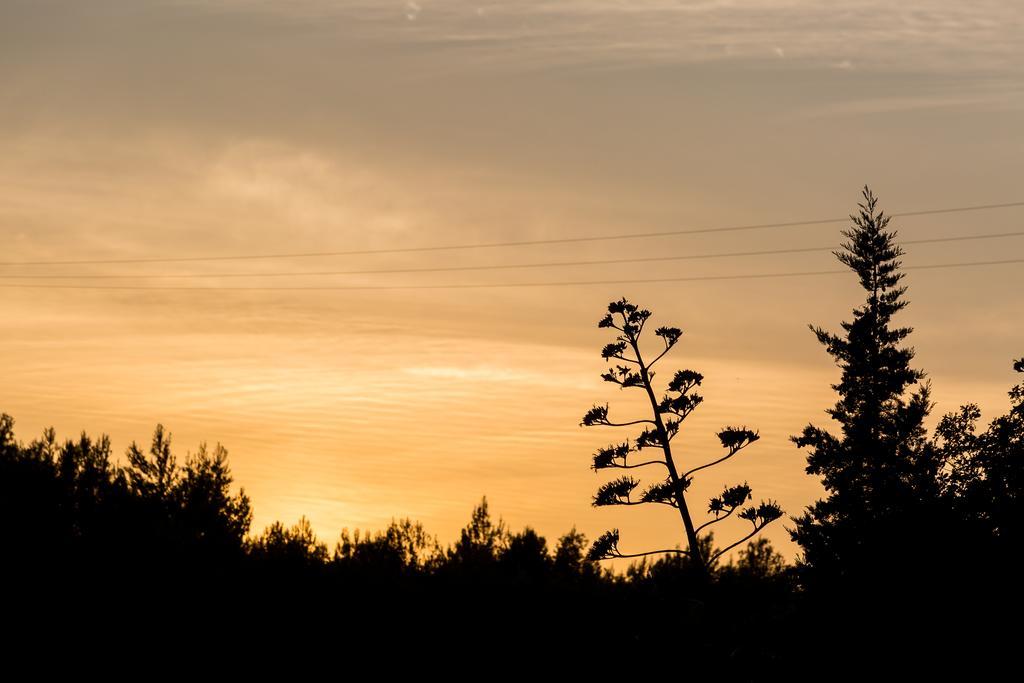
column 138, row 131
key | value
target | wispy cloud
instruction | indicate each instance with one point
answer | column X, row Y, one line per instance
column 911, row 35
column 982, row 98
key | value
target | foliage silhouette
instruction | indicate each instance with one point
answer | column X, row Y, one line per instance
column 905, row 550
column 156, row 474
column 295, row 547
column 480, row 542
column 881, row 474
column 985, row 490
column 985, row 477
column 206, row 504
column 632, row 371
column 760, row 560
column 403, row 548
column 163, row 543
column 526, row 557
column 570, row 558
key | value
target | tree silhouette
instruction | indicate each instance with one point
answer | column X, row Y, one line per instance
column 216, row 519
column 480, row 542
column 404, row 547
column 294, row 548
column 760, row 560
column 632, row 371
column 156, row 474
column 162, row 547
column 570, row 560
column 881, row 467
column 526, row 556
column 185, row 508
column 986, row 474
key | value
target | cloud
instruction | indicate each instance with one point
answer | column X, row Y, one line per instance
column 303, row 189
column 63, row 195
column 478, row 374
column 980, row 98
column 912, row 35
column 341, row 71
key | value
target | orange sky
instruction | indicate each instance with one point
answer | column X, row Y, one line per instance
column 155, row 129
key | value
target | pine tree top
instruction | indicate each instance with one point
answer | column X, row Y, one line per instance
column 870, row 249
column 876, row 370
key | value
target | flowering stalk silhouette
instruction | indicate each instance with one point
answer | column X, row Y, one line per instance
column 630, row 370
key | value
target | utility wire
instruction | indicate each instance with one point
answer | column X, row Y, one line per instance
column 696, row 278
column 519, row 243
column 510, row 266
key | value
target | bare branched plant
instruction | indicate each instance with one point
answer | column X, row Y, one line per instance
column 630, row 370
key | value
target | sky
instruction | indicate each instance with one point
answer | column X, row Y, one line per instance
column 140, row 130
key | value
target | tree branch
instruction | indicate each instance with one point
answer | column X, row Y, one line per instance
column 641, row 502
column 668, row 347
column 717, row 519
column 745, row 538
column 626, row 424
column 654, row 552
column 640, row 464
column 731, row 453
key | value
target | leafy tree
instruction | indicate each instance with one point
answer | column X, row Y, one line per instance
column 86, row 477
column 986, row 479
column 632, row 371
column 291, row 548
column 880, row 470
column 985, row 488
column 185, row 508
column 760, row 560
column 571, row 559
column 156, row 474
column 210, row 513
column 481, row 541
column 35, row 514
column 526, row 555
column 677, row 567
column 404, row 547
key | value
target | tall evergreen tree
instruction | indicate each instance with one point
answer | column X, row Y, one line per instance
column 880, row 468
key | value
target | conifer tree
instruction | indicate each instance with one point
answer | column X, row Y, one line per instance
column 633, row 371
column 880, row 466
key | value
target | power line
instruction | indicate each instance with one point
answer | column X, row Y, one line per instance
column 495, row 245
column 696, row 278
column 511, row 266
